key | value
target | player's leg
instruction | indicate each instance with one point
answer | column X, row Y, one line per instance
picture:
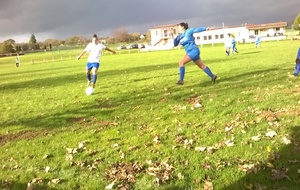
column 182, row 63
column 88, row 73
column 206, row 69
column 227, row 51
column 297, row 67
column 94, row 73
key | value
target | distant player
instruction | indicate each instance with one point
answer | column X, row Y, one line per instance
column 94, row 49
column 228, row 44
column 233, row 45
column 297, row 67
column 257, row 41
column 17, row 61
column 187, row 40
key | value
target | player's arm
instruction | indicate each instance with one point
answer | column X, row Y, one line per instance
column 200, row 29
column 82, row 53
column 176, row 41
column 106, row 48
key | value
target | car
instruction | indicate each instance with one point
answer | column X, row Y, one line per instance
column 133, row 46
column 121, row 47
column 141, row 46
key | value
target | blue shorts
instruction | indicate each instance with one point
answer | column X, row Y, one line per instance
column 89, row 65
column 194, row 54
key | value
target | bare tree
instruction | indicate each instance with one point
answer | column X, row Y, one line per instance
column 121, row 35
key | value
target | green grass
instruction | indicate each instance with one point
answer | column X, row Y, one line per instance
column 138, row 115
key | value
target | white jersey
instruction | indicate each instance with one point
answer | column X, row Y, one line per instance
column 94, row 52
column 228, row 42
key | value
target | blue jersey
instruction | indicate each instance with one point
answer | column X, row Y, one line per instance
column 298, row 55
column 257, row 39
column 187, row 39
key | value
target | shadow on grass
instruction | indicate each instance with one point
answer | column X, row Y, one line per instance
column 14, row 185
column 248, row 53
column 62, row 80
column 280, row 171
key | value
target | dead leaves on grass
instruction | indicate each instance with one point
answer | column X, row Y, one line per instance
column 123, row 175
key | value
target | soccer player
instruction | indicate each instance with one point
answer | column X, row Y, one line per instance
column 17, row 61
column 187, row 40
column 297, row 67
column 228, row 44
column 257, row 41
column 93, row 63
column 233, row 44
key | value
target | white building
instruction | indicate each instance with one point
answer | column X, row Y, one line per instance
column 164, row 35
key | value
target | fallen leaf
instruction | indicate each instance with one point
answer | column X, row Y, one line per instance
column 228, row 128
column 47, row 169
column 200, row 148
column 286, row 141
column 208, row 185
column 229, row 143
column 55, row 181
column 271, row 134
column 180, row 176
column 279, row 174
column 256, row 138
column 110, row 186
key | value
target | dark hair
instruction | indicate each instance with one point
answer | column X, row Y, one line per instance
column 95, row 36
column 184, row 25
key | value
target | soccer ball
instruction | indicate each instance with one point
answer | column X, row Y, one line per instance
column 89, row 90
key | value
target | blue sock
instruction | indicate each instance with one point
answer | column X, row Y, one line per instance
column 297, row 69
column 88, row 76
column 181, row 73
column 94, row 79
column 208, row 72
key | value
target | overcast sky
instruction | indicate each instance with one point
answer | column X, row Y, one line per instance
column 61, row 19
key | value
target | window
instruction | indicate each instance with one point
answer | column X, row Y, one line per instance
column 216, row 36
column 198, row 37
column 165, row 33
column 209, row 37
column 205, row 37
column 221, row 36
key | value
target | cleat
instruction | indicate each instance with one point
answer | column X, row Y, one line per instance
column 214, row 79
column 89, row 82
column 180, row 82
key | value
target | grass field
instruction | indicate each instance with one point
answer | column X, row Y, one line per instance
column 141, row 131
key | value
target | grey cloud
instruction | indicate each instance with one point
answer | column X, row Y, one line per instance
column 64, row 18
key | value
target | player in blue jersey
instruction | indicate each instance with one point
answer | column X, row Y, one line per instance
column 297, row 67
column 94, row 49
column 257, row 41
column 187, row 40
column 233, row 44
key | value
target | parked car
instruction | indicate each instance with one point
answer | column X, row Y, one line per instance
column 133, row 46
column 141, row 46
column 121, row 47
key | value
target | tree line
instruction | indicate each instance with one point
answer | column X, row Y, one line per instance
column 120, row 35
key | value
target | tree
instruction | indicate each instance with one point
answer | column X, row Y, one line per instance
column 136, row 36
column 296, row 24
column 32, row 39
column 7, row 46
column 25, row 47
column 121, row 35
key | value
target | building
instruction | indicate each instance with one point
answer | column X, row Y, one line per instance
column 164, row 35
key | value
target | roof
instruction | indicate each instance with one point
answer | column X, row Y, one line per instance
column 268, row 25
column 165, row 26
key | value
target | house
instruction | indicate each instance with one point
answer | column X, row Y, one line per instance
column 164, row 35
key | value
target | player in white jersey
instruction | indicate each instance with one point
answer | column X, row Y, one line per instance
column 94, row 49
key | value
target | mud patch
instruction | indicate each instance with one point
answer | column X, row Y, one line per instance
column 22, row 135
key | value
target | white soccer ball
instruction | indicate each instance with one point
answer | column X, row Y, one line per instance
column 89, row 90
